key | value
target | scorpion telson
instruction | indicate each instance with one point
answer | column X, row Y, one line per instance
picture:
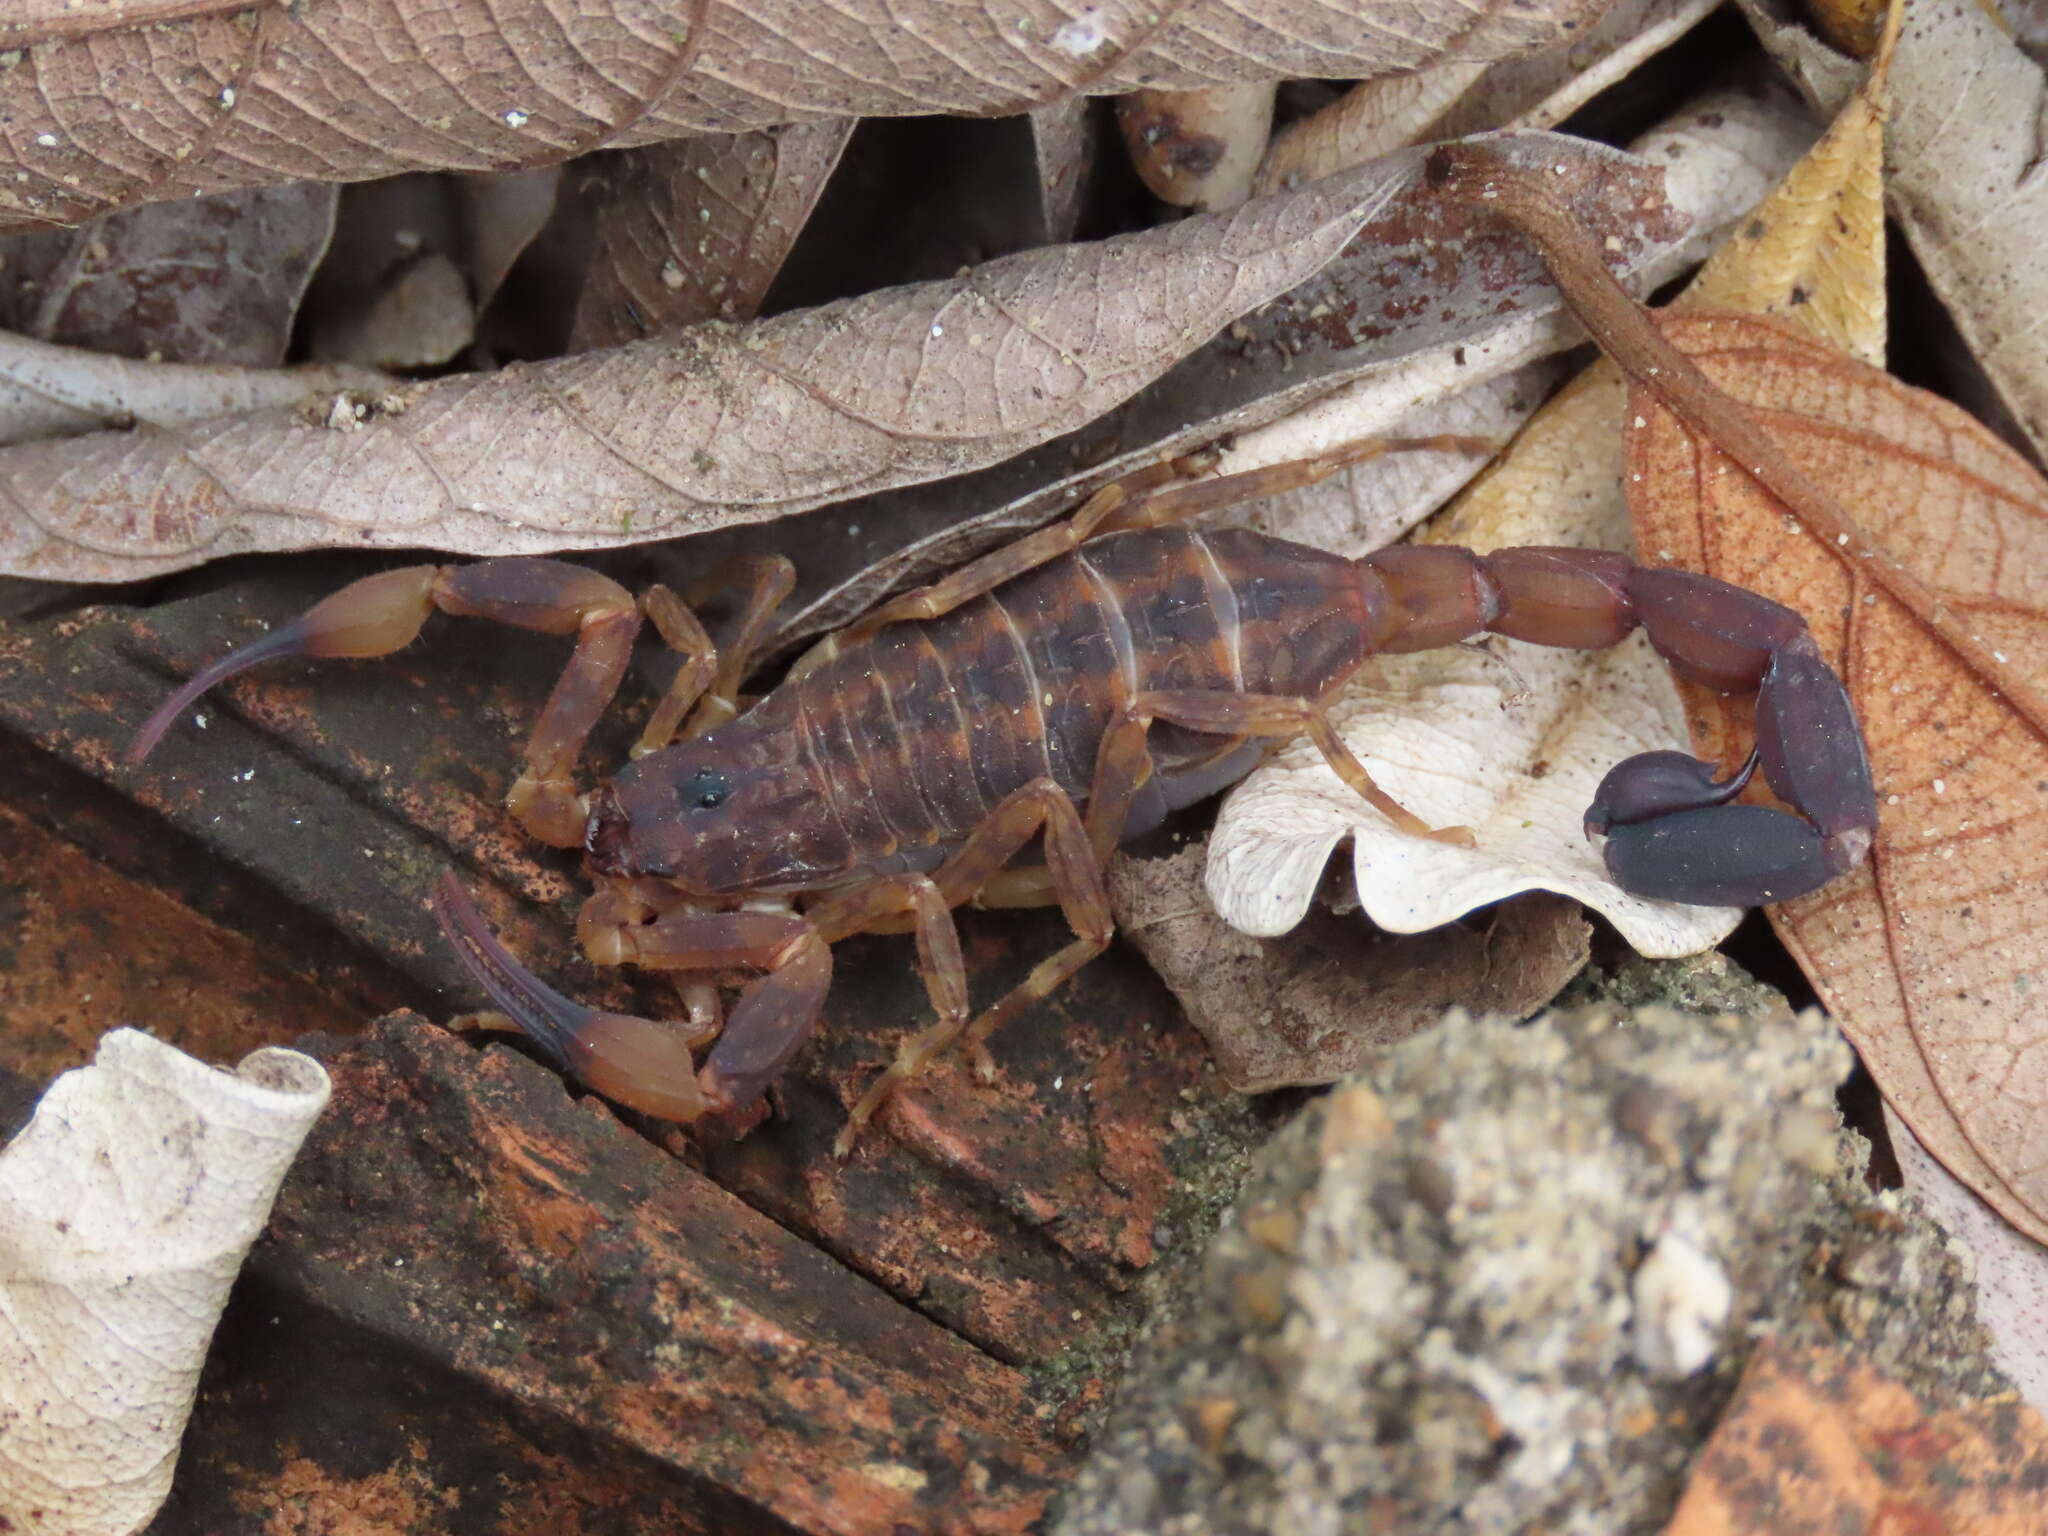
column 1067, row 692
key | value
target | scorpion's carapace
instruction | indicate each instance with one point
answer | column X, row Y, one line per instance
column 1062, row 698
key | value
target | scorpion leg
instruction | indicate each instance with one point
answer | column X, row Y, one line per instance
column 682, row 633
column 381, row 614
column 1119, row 507
column 1256, row 714
column 710, row 676
column 1041, row 806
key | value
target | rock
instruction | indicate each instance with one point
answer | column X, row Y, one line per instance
column 1508, row 1279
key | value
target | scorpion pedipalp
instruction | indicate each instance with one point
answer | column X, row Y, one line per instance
column 584, row 1042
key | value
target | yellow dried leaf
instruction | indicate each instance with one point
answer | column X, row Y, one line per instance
column 1814, row 249
column 1932, row 955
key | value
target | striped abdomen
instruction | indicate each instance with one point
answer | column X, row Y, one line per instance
column 918, row 734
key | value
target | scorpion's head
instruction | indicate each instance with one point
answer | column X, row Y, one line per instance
column 728, row 813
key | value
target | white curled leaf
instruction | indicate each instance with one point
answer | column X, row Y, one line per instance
column 127, row 1205
column 1460, row 740
column 1513, row 744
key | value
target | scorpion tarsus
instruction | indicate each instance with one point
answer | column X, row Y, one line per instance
column 289, row 640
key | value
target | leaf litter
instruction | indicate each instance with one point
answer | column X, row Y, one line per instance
column 723, row 424
column 210, row 102
column 1748, row 441
column 617, row 459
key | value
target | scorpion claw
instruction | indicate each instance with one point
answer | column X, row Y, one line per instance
column 284, row 641
column 634, row 1061
column 1721, row 856
column 1654, row 784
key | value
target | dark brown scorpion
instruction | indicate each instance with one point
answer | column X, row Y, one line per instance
column 1067, row 691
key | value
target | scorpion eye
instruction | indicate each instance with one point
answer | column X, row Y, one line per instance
column 706, row 790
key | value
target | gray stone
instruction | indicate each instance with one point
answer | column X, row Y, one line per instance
column 1507, row 1279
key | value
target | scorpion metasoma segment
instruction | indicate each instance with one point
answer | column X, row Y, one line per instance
column 1055, row 697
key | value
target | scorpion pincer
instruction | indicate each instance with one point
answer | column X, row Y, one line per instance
column 1068, row 692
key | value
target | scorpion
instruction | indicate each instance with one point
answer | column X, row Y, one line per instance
column 1053, row 698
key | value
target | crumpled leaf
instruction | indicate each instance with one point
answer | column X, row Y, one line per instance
column 103, row 109
column 1966, row 164
column 1464, row 96
column 50, row 391
column 126, row 1207
column 1930, row 954
column 1513, row 750
column 1323, row 999
column 1816, row 1441
column 2011, row 1271
column 205, row 280
column 727, row 424
column 697, row 229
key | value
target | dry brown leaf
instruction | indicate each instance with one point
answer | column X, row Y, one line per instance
column 1320, row 1001
column 730, row 425
column 1815, row 1441
column 1966, row 176
column 1851, row 25
column 696, row 230
column 1358, row 329
column 1368, row 505
column 420, row 316
column 720, row 424
column 105, row 106
column 501, row 217
column 213, row 280
column 1063, row 149
column 405, row 230
column 1933, row 954
column 1465, row 96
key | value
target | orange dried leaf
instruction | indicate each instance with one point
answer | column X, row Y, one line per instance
column 1816, row 1442
column 1933, row 956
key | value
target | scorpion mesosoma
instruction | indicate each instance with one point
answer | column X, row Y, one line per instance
column 1069, row 691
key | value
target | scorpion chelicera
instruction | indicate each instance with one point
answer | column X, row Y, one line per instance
column 1067, row 691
